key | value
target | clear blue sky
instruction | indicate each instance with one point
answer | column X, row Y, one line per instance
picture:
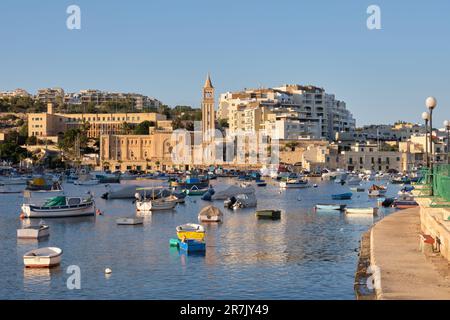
column 165, row 48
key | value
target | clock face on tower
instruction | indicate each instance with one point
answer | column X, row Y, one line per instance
column 208, row 95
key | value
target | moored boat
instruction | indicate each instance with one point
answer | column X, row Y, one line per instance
column 132, row 221
column 342, row 196
column 191, row 231
column 147, row 204
column 329, row 207
column 362, row 211
column 192, row 246
column 377, row 191
column 33, row 232
column 210, row 214
column 294, row 184
column 43, row 258
column 61, row 207
column 268, row 214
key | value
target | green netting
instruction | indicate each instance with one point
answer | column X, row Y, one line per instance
column 441, row 182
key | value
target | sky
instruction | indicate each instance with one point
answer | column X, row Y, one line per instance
column 165, row 49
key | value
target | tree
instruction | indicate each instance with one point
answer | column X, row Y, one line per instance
column 144, row 127
column 177, row 124
column 126, row 128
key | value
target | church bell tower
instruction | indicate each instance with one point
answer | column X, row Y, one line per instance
column 208, row 115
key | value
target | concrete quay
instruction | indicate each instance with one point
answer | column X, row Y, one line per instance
column 405, row 271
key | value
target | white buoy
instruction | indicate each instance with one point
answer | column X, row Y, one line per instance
column 108, row 271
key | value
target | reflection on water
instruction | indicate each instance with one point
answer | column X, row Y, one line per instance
column 304, row 255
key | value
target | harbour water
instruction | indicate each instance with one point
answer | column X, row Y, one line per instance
column 305, row 255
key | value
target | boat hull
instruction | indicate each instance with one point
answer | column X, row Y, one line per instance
column 31, row 260
column 268, row 214
column 155, row 205
column 129, row 221
column 33, row 233
column 361, row 211
column 334, row 207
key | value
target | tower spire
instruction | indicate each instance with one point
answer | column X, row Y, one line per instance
column 208, row 83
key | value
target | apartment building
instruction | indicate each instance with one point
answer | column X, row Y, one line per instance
column 369, row 157
column 308, row 107
column 50, row 95
column 97, row 97
column 52, row 124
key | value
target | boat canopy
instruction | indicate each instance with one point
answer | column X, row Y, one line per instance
column 233, row 191
column 55, row 202
column 210, row 211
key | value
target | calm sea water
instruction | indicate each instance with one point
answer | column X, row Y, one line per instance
column 305, row 255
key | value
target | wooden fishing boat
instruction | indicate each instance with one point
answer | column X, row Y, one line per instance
column 147, row 204
column 43, row 258
column 192, row 246
column 268, row 214
column 195, row 191
column 61, row 207
column 330, row 207
column 342, row 196
column 191, row 231
column 33, row 232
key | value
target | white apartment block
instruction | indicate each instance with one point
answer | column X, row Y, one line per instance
column 50, row 95
column 98, row 97
column 311, row 112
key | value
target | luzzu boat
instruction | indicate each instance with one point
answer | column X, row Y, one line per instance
column 61, row 207
column 196, row 191
column 191, row 231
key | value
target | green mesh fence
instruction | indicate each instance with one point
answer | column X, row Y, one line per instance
column 441, row 182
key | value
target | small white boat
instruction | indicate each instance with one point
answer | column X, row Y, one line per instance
column 33, row 232
column 86, row 180
column 132, row 221
column 210, row 214
column 155, row 205
column 152, row 204
column 377, row 191
column 61, row 207
column 43, row 258
column 294, row 184
column 328, row 207
column 362, row 211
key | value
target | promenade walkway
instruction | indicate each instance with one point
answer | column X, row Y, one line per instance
column 406, row 273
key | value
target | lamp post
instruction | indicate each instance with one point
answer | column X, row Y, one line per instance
column 431, row 104
column 426, row 117
column 447, row 128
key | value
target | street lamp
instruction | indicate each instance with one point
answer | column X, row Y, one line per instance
column 426, row 117
column 447, row 127
column 431, row 104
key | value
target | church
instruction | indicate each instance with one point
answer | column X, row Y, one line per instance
column 159, row 149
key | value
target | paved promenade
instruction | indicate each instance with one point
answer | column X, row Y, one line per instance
column 406, row 273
